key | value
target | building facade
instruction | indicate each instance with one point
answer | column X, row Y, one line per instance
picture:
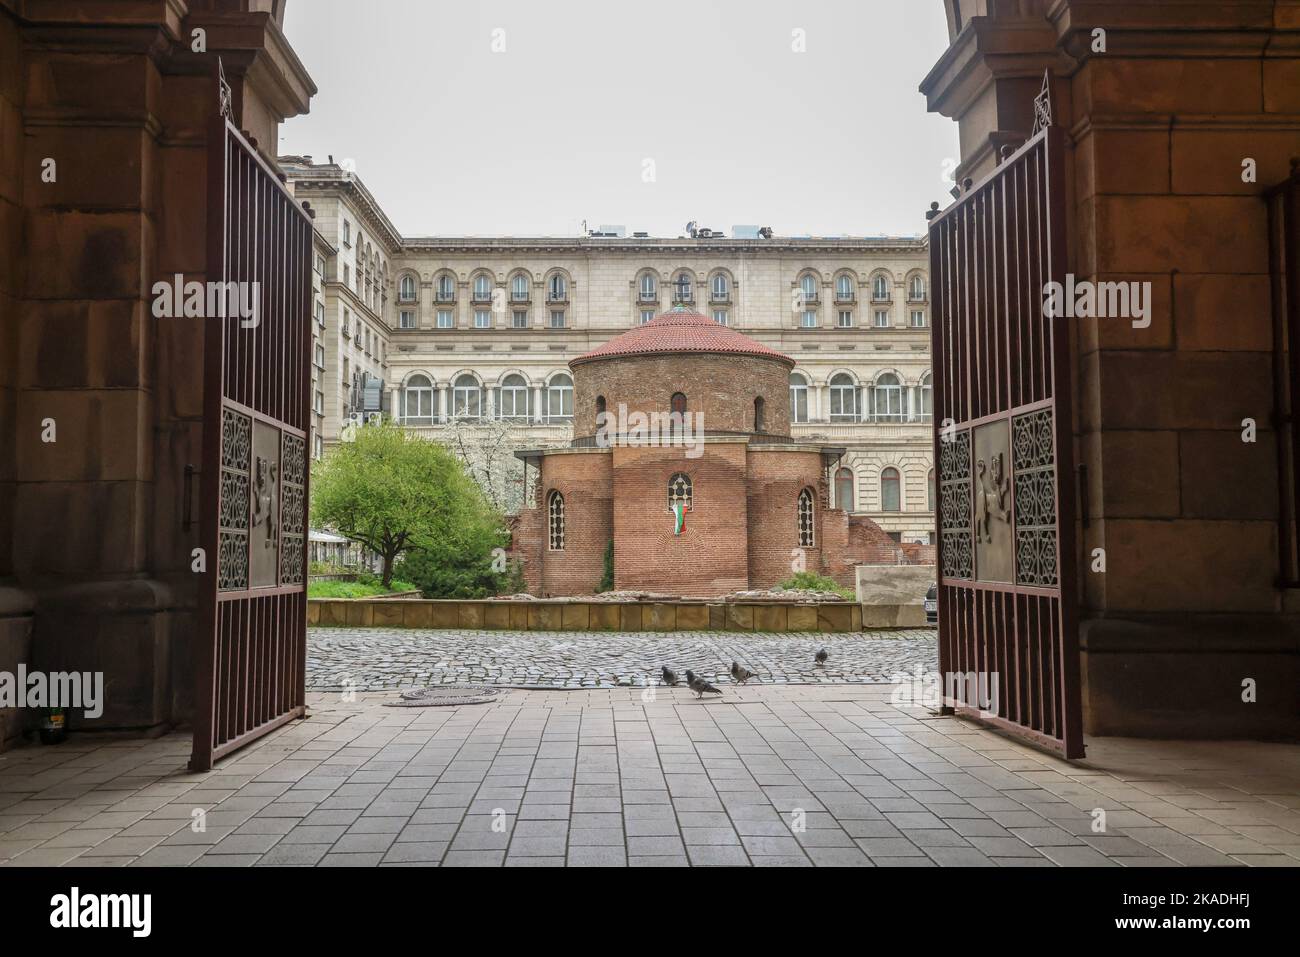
column 467, row 328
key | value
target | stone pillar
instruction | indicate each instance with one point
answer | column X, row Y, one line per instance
column 538, row 408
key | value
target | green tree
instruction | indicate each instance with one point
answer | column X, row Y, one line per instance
column 397, row 493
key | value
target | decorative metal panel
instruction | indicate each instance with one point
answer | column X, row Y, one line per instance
column 1033, row 449
column 955, row 505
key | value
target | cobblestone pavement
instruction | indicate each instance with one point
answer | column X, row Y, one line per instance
column 767, row 775
column 380, row 659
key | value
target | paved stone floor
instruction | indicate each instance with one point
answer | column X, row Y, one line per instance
column 379, row 659
column 767, row 775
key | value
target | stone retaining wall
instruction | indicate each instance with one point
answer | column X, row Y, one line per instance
column 610, row 616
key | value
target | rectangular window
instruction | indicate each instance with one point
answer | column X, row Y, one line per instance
column 444, row 319
column 647, row 315
column 347, row 323
column 347, row 276
column 846, row 318
column 557, row 318
column 319, row 445
column 809, row 319
column 882, row 319
column 320, row 403
column 918, row 318
column 320, row 356
column 482, row 319
column 520, row 319
column 799, row 403
column 406, row 320
column 347, row 233
column 720, row 316
column 320, row 314
column 320, row 266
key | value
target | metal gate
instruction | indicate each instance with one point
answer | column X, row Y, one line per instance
column 252, row 642
column 1008, row 639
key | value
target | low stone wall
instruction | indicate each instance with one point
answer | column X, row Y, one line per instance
column 569, row 615
column 894, row 585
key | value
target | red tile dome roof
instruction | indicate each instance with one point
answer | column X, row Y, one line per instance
column 681, row 330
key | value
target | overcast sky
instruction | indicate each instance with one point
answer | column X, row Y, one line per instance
column 646, row 115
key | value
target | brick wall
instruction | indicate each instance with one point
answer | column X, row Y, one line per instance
column 709, row 558
column 722, row 388
column 775, row 479
column 585, row 481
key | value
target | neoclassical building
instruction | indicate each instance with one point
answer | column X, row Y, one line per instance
column 482, row 330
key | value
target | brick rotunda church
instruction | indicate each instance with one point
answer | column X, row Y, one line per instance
column 682, row 457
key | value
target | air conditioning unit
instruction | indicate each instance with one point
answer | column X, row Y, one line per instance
column 374, row 418
column 357, row 418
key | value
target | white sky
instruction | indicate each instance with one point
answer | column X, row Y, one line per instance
column 454, row 139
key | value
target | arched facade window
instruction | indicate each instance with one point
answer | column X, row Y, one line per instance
column 648, row 288
column 466, row 398
column 559, row 398
column 844, row 489
column 805, row 509
column 557, row 288
column 482, row 288
column 600, row 405
column 844, row 398
column 720, row 287
column 798, row 398
column 916, row 289
column 519, row 288
column 406, row 290
column 844, row 288
column 760, row 424
column 419, row 401
column 684, row 287
column 888, row 398
column 445, row 288
column 555, row 520
column 890, row 493
column 677, row 408
column 680, row 489
column 513, row 398
column 929, row 491
column 926, row 404
column 808, row 286
column 880, row 288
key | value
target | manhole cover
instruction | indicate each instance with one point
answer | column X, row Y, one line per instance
column 446, row 696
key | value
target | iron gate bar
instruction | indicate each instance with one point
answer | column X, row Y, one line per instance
column 999, row 361
column 251, row 650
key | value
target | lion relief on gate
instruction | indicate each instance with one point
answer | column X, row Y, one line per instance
column 266, row 506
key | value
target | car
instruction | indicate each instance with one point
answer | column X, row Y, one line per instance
column 932, row 604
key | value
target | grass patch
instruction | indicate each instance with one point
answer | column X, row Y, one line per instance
column 354, row 589
column 812, row 582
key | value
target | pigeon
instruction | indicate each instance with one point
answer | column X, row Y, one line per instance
column 699, row 685
column 670, row 677
column 821, row 656
column 741, row 675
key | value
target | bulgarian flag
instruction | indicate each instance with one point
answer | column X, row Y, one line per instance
column 679, row 517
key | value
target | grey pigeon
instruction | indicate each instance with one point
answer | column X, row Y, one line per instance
column 821, row 656
column 741, row 675
column 699, row 685
column 670, row 677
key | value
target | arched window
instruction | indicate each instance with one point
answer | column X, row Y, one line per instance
column 926, row 411
column 482, row 288
column 798, row 398
column 888, row 398
column 419, row 401
column 555, row 518
column 844, row 288
column 683, row 288
column 808, row 286
column 466, row 398
column 880, row 289
column 446, row 288
column 844, row 490
column 806, row 537
column 649, row 288
column 890, row 497
column 519, row 288
column 929, row 491
column 559, row 398
column 407, row 291
column 681, row 490
column 917, row 292
column 720, row 290
column 557, row 288
column 844, row 398
column 512, row 398
column 600, row 407
column 759, row 408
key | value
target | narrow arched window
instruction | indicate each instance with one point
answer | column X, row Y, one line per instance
column 681, row 490
column 844, row 398
column 844, row 490
column 844, row 288
column 512, row 398
column 880, row 289
column 407, row 292
column 446, row 288
column 600, row 405
column 798, row 398
column 806, row 537
column 559, row 398
column 808, row 286
column 888, row 398
column 677, row 408
column 467, row 398
column 890, row 498
column 759, row 424
column 419, row 401
column 557, row 289
column 555, row 515
column 482, row 289
column 519, row 288
column 929, row 491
